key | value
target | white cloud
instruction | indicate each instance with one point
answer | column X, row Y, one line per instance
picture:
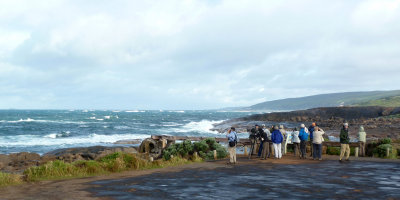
column 192, row 54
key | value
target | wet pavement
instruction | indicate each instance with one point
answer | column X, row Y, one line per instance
column 318, row 180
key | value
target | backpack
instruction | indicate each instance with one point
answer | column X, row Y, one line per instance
column 233, row 143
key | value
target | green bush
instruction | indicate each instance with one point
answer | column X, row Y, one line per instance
column 221, row 152
column 187, row 148
column 212, row 144
column 381, row 150
column 333, row 150
column 386, row 141
column 201, row 146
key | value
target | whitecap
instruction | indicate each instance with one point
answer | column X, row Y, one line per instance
column 203, row 126
column 53, row 140
column 107, row 117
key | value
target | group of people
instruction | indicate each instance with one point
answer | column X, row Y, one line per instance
column 275, row 139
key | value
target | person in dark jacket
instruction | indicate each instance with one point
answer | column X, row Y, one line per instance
column 255, row 138
column 303, row 135
column 261, row 135
column 277, row 139
column 344, row 142
column 311, row 131
column 265, row 143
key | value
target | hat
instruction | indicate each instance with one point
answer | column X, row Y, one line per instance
column 281, row 126
column 314, row 124
column 256, row 125
column 345, row 124
column 302, row 126
column 276, row 127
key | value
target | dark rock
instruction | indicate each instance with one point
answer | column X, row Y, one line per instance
column 86, row 153
column 133, row 141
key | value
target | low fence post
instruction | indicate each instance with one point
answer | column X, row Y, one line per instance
column 215, row 154
column 356, row 151
column 245, row 150
column 387, row 152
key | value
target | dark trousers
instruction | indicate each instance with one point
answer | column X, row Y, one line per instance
column 303, row 149
column 317, row 153
column 260, row 149
column 296, row 148
column 265, row 150
column 311, row 148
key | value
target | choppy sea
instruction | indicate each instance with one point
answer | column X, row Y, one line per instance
column 41, row 131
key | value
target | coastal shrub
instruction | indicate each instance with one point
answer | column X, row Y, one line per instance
column 212, row 144
column 204, row 148
column 10, row 179
column 201, row 146
column 386, row 141
column 333, row 150
column 380, row 151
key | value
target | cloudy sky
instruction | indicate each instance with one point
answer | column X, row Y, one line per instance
column 192, row 54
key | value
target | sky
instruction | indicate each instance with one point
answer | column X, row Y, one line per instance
column 188, row 54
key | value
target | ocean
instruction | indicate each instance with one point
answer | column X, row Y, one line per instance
column 41, row 131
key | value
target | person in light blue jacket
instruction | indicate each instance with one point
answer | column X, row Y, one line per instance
column 277, row 139
column 303, row 135
column 232, row 141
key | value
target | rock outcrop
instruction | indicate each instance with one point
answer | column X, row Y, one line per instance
column 18, row 162
column 86, row 153
column 376, row 120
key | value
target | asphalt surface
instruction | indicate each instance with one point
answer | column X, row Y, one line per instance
column 326, row 179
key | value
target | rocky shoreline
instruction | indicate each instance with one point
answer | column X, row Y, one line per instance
column 18, row 162
column 379, row 122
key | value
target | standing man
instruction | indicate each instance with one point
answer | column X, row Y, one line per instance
column 303, row 135
column 254, row 136
column 232, row 141
column 261, row 134
column 344, row 142
column 267, row 138
column 311, row 131
column 362, row 139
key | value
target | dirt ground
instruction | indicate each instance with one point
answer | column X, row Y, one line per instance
column 139, row 184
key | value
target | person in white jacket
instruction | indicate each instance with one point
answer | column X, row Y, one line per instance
column 296, row 142
column 362, row 139
column 317, row 143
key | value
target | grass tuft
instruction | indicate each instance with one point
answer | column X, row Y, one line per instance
column 10, row 179
column 116, row 162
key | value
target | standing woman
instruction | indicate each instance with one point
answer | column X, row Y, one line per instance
column 277, row 139
column 296, row 142
column 317, row 142
column 362, row 139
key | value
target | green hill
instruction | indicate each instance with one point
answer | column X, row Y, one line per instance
column 373, row 98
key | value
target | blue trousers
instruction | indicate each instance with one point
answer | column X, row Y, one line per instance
column 260, row 149
column 317, row 153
